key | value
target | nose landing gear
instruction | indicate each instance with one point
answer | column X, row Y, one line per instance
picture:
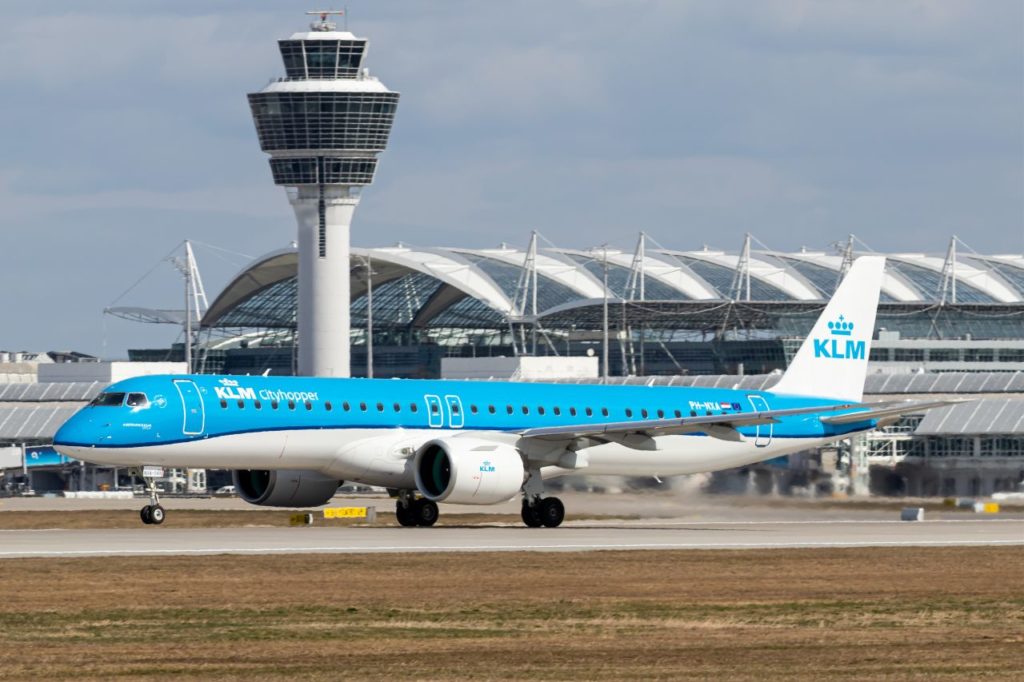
column 152, row 513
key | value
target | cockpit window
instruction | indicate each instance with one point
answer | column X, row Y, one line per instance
column 137, row 400
column 108, row 400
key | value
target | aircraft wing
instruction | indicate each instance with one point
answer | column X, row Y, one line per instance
column 722, row 426
column 887, row 411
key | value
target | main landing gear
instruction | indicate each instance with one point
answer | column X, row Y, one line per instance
column 537, row 510
column 415, row 511
column 152, row 513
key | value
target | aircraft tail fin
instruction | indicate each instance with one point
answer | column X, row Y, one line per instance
column 833, row 360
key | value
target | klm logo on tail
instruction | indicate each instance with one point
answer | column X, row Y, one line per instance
column 839, row 348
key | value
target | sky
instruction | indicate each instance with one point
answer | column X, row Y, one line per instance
column 125, row 130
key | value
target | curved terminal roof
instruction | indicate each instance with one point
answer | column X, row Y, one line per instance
column 463, row 287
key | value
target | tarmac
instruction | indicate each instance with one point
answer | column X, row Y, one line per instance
column 571, row 537
column 651, row 521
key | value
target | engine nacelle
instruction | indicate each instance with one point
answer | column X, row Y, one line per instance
column 468, row 471
column 284, row 488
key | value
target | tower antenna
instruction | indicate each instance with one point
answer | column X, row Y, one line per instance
column 323, row 24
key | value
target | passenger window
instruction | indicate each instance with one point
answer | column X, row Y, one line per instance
column 526, row 410
column 490, row 408
column 454, row 407
column 224, row 404
column 380, row 407
column 435, row 408
column 136, row 400
column 413, row 407
column 258, row 405
column 572, row 411
column 604, row 411
column 540, row 410
column 693, row 413
column 241, row 404
column 558, row 411
column 327, row 406
column 345, row 406
column 661, row 414
column 362, row 406
column 309, row 405
column 509, row 409
column 291, row 404
column 398, row 408
column 590, row 412
column 629, row 412
column 679, row 415
column 273, row 404
column 472, row 408
column 643, row 413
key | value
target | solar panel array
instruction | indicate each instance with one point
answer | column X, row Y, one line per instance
column 876, row 384
column 81, row 391
column 32, row 423
column 1003, row 416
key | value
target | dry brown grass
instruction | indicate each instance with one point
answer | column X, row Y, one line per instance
column 924, row 613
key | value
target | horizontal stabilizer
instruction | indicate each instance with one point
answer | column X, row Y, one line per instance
column 887, row 411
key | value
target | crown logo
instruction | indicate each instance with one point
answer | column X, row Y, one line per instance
column 232, row 382
column 840, row 327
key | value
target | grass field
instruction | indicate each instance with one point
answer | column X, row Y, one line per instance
column 943, row 613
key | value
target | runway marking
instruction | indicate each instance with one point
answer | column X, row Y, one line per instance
column 594, row 525
column 636, row 522
column 502, row 548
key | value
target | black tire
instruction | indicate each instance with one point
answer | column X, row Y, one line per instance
column 156, row 515
column 426, row 512
column 145, row 516
column 404, row 514
column 531, row 515
column 552, row 512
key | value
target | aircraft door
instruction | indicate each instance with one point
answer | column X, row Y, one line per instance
column 763, row 433
column 455, row 417
column 192, row 405
column 435, row 415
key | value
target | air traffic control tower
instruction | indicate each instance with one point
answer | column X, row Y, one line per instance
column 323, row 125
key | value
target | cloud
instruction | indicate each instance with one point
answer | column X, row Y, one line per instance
column 127, row 127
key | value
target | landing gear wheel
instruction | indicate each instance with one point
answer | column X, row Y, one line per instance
column 531, row 515
column 426, row 512
column 144, row 514
column 552, row 512
column 405, row 514
column 156, row 514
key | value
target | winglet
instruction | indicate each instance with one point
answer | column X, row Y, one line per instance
column 833, row 360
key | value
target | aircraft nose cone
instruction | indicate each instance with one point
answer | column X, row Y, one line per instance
column 72, row 432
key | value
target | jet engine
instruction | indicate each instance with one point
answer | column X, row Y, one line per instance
column 468, row 471
column 284, row 488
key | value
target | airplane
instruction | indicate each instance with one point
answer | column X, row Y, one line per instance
column 292, row 441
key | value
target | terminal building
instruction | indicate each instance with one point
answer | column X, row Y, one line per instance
column 666, row 311
column 948, row 325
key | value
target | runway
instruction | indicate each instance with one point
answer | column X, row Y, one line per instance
column 573, row 537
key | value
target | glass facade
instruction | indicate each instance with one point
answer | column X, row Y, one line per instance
column 322, row 59
column 323, row 170
column 721, row 278
column 396, row 303
column 323, row 120
column 550, row 293
column 929, row 282
column 272, row 307
column 1013, row 276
